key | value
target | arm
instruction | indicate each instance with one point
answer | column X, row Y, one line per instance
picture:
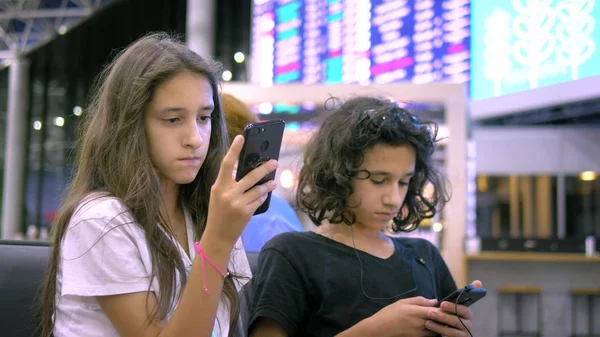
column 267, row 327
column 279, row 302
column 366, row 327
column 195, row 313
column 404, row 318
column 409, row 315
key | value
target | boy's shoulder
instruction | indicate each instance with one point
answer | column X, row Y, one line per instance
column 290, row 239
column 423, row 247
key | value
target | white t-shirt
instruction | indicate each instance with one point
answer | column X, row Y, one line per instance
column 104, row 252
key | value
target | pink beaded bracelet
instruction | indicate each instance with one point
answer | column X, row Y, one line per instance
column 205, row 258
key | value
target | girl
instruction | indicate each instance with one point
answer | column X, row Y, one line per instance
column 147, row 242
column 365, row 169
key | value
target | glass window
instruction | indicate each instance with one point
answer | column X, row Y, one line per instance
column 516, row 206
column 582, row 205
column 35, row 129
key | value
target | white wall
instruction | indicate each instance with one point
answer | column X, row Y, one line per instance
column 542, row 97
column 535, row 150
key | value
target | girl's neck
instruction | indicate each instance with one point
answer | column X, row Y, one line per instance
column 170, row 207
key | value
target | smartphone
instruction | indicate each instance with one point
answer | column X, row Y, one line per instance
column 262, row 143
column 465, row 296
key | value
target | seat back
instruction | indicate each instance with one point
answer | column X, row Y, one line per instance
column 252, row 260
column 22, row 268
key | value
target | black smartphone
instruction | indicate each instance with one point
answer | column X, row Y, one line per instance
column 262, row 143
column 465, row 296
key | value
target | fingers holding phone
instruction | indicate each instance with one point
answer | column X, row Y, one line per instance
column 477, row 284
column 445, row 322
column 466, row 296
column 259, row 173
column 231, row 204
column 406, row 317
column 256, row 189
column 234, row 199
column 252, row 186
column 461, row 311
column 452, row 316
column 261, row 149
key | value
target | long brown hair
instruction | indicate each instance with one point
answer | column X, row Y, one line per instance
column 113, row 158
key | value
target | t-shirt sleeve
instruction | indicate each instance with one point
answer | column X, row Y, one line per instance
column 100, row 255
column 279, row 291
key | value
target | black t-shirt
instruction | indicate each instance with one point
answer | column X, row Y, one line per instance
column 311, row 284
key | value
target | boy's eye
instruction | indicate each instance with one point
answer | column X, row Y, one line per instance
column 171, row 120
column 377, row 182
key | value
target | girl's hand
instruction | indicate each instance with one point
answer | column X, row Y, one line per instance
column 232, row 203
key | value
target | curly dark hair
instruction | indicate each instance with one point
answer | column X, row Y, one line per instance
column 333, row 156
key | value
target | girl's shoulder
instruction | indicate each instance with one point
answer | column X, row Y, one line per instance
column 102, row 212
column 99, row 205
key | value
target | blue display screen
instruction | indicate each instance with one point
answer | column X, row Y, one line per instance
column 360, row 41
column 523, row 44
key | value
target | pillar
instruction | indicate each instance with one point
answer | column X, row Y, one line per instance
column 13, row 191
column 200, row 27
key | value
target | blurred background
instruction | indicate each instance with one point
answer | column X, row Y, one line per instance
column 514, row 85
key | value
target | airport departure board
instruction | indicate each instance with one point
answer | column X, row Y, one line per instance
column 360, row 41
